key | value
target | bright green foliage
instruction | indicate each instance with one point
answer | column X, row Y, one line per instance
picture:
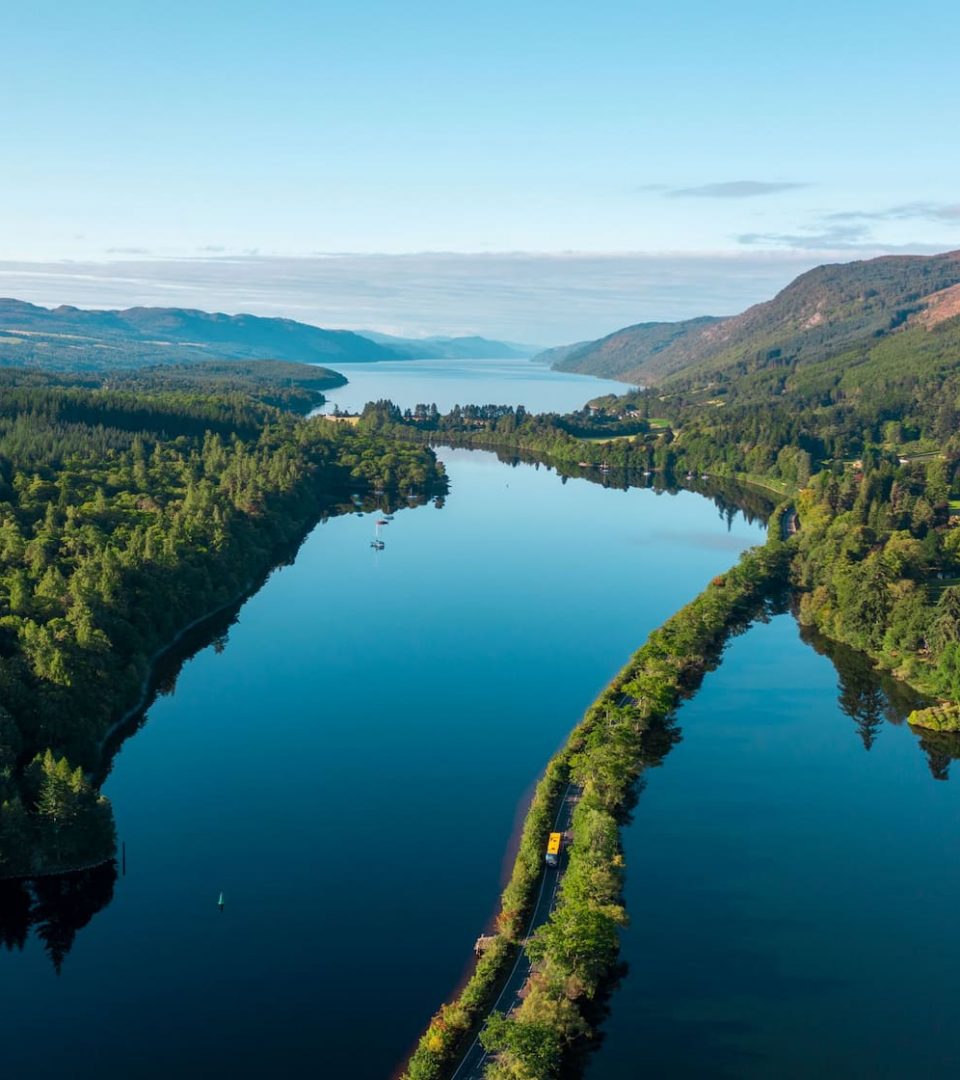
column 527, row 1050
column 871, row 557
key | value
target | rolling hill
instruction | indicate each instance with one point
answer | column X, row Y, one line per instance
column 619, row 355
column 823, row 313
column 70, row 337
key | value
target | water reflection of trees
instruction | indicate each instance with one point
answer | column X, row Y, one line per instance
column 941, row 747
column 871, row 697
column 54, row 907
column 730, row 498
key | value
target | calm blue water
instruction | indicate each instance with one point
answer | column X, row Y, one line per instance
column 446, row 383
column 791, row 893
column 348, row 769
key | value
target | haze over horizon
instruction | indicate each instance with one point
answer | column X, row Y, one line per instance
column 536, row 299
column 434, row 169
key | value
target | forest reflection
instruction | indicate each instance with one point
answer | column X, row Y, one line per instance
column 872, row 698
column 730, row 498
column 55, row 908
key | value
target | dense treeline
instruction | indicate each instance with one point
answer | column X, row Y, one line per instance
column 218, row 392
column 563, row 438
column 897, row 394
column 123, row 517
column 624, row 731
column 879, row 569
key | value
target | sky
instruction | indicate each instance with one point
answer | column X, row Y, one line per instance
column 243, row 144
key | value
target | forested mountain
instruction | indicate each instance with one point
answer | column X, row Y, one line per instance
column 645, row 347
column 73, row 338
column 451, row 348
column 897, row 391
column 70, row 338
column 821, row 314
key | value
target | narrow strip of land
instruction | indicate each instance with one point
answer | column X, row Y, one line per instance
column 472, row 1064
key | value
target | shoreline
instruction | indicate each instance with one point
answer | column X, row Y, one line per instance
column 147, row 686
column 60, row 873
column 144, row 700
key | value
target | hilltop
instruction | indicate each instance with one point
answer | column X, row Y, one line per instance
column 822, row 313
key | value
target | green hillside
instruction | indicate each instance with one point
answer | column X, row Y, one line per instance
column 819, row 315
column 635, row 353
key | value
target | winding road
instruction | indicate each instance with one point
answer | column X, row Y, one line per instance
column 473, row 1061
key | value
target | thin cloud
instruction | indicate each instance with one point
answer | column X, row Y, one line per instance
column 834, row 237
column 736, row 189
column 852, row 230
column 922, row 211
column 128, row 251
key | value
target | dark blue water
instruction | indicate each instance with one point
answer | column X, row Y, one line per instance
column 792, row 882
column 347, row 769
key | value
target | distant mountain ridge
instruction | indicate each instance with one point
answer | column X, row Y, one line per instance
column 820, row 313
column 81, row 338
column 147, row 335
column 471, row 347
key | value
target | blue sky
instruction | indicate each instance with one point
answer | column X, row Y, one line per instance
column 750, row 130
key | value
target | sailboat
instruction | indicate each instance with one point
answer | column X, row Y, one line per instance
column 376, row 542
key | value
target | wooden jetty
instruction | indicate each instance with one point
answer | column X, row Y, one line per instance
column 484, row 941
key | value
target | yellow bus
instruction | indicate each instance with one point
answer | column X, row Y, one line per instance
column 553, row 849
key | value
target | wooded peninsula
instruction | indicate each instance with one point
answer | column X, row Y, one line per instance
column 126, row 514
